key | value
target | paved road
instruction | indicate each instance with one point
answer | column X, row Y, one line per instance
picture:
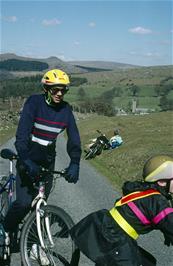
column 91, row 193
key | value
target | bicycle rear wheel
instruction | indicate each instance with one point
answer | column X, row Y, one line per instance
column 63, row 252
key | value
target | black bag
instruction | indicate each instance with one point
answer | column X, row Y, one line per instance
column 2, row 241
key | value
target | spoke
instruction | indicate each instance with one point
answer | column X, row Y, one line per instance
column 61, row 253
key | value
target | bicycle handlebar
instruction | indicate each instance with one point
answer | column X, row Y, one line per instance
column 47, row 171
column 11, row 155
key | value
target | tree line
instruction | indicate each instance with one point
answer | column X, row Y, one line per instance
column 26, row 86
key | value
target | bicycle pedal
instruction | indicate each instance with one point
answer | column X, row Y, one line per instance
column 38, row 254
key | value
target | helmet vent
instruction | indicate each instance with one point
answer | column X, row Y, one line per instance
column 55, row 75
column 47, row 77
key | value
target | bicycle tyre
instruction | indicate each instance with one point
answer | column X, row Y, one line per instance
column 64, row 251
column 88, row 155
column 4, row 203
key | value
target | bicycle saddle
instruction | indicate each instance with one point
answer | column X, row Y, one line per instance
column 8, row 154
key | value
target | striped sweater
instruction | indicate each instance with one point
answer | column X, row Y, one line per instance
column 39, row 126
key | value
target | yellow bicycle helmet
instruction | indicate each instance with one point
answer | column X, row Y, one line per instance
column 55, row 77
column 159, row 167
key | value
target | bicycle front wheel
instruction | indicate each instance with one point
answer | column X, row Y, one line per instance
column 63, row 251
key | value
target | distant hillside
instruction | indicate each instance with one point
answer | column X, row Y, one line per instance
column 105, row 65
column 23, row 66
column 52, row 62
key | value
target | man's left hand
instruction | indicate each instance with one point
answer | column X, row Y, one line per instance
column 72, row 173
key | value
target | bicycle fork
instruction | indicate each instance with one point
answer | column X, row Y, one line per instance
column 40, row 214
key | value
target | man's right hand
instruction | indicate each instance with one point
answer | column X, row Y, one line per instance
column 32, row 169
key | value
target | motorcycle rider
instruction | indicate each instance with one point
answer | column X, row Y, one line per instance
column 108, row 237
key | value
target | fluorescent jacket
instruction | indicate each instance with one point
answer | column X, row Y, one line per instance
column 104, row 241
column 39, row 127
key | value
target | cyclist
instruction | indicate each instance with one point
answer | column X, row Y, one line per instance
column 108, row 237
column 43, row 118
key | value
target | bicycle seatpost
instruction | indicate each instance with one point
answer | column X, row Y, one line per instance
column 11, row 167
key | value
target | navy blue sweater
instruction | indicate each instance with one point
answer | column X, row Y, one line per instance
column 39, row 126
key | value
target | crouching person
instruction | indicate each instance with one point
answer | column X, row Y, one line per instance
column 108, row 237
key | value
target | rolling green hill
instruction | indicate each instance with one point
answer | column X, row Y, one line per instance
column 147, row 85
column 7, row 63
column 147, row 79
column 51, row 62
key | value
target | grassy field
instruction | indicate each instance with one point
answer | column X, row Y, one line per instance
column 146, row 78
column 9, row 121
column 143, row 137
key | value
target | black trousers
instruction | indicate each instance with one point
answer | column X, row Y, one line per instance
column 25, row 193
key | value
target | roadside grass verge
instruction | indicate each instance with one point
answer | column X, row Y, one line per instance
column 6, row 133
column 9, row 120
column 144, row 136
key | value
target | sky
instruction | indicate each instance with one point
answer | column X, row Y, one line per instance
column 134, row 32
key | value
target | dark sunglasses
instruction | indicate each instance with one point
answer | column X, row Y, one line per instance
column 55, row 90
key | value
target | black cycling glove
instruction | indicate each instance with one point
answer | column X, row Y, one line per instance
column 72, row 173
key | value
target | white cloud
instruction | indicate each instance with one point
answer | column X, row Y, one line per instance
column 76, row 43
column 51, row 22
column 152, row 55
column 9, row 19
column 62, row 57
column 92, row 24
column 147, row 54
column 140, row 30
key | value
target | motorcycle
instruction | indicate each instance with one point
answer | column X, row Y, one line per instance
column 97, row 146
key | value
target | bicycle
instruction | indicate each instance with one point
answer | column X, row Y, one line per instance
column 45, row 230
column 7, row 188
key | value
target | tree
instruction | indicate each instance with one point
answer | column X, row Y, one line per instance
column 134, row 90
column 166, row 104
column 81, row 94
column 108, row 96
column 158, row 90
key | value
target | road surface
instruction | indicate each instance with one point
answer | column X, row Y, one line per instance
column 91, row 193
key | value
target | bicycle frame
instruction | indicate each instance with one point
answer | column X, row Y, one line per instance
column 9, row 184
column 39, row 201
